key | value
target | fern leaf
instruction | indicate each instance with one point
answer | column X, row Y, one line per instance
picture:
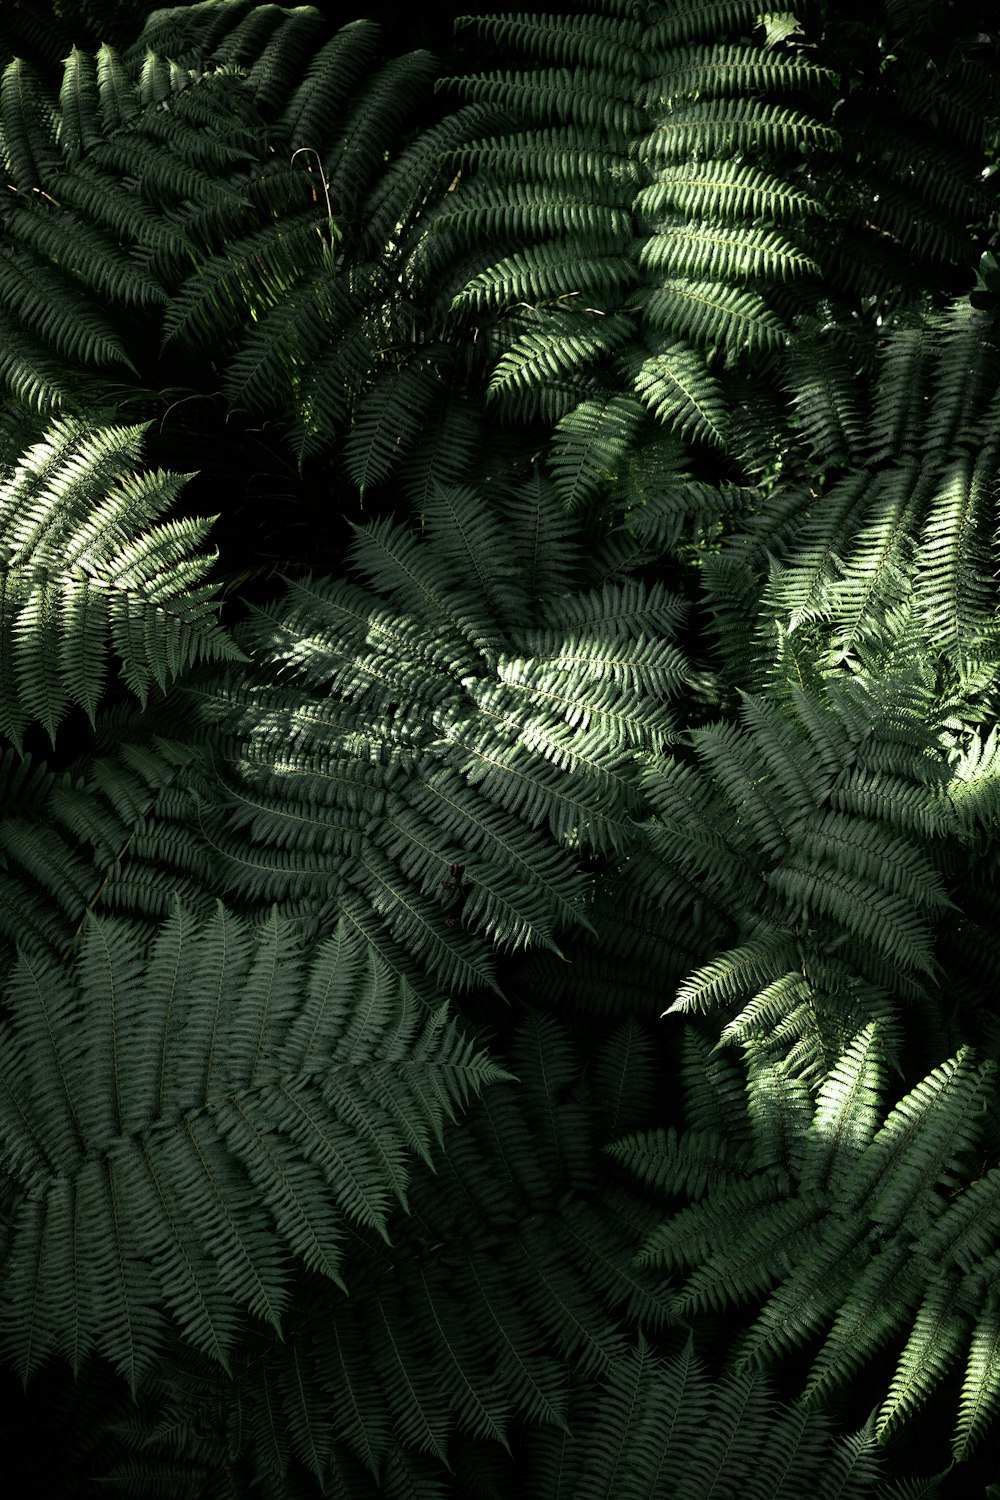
column 875, row 1308
column 953, row 577
column 846, row 1118
column 920, row 1143
column 117, row 101
column 939, row 1333
column 333, row 71
column 389, row 416
column 708, row 312
column 590, row 444
column 721, row 190
column 707, row 252
column 199, row 1120
column 85, row 570
column 981, row 1386
column 78, row 105
column 27, row 129
column 678, row 389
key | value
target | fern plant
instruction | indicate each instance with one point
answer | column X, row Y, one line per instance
column 664, row 1428
column 808, row 830
column 911, row 521
column 155, row 1101
column 917, row 108
column 507, row 1283
column 219, row 188
column 306, row 311
column 639, row 211
column 111, row 189
column 862, row 1231
column 723, row 744
column 432, row 756
column 85, row 570
column 460, row 731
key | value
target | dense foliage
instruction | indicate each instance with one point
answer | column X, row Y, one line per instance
column 500, row 785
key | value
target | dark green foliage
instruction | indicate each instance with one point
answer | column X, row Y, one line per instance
column 634, row 226
column 459, row 964
column 879, row 1236
column 83, row 571
column 232, row 1076
column 661, row 1428
column 459, row 732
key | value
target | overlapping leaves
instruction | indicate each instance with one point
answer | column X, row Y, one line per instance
column 860, row 1231
column 85, row 572
column 254, row 1101
column 432, row 753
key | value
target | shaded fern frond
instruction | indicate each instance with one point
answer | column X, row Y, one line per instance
column 641, row 230
column 236, row 1074
column 440, row 783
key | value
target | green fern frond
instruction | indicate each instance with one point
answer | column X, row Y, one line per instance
column 879, row 1234
column 387, row 418
column 588, row 40
column 333, row 72
column 550, row 95
column 379, row 113
column 86, row 570
column 892, row 1179
column 445, row 788
column 79, row 102
column 877, row 1306
column 756, row 1254
column 53, row 309
column 708, row 312
column 679, row 390
column 727, row 68
column 600, row 166
column 779, row 1108
column 881, row 918
column 981, row 1387
column 974, row 782
column 548, row 272
column 739, row 973
column 845, row 1120
column 954, row 576
column 527, row 213
column 234, row 1074
column 78, row 248
column 589, row 445
column 691, row 1164
column 277, row 67
column 704, row 251
column 721, row 190
column 28, row 131
column 726, row 127
column 116, row 99
column 938, row 1336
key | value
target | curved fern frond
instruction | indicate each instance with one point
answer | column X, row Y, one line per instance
column 444, row 790
column 86, row 571
column 679, row 390
column 879, row 1235
column 657, row 216
column 589, row 446
column 236, row 1074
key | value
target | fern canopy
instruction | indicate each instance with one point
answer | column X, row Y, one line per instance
column 499, row 961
